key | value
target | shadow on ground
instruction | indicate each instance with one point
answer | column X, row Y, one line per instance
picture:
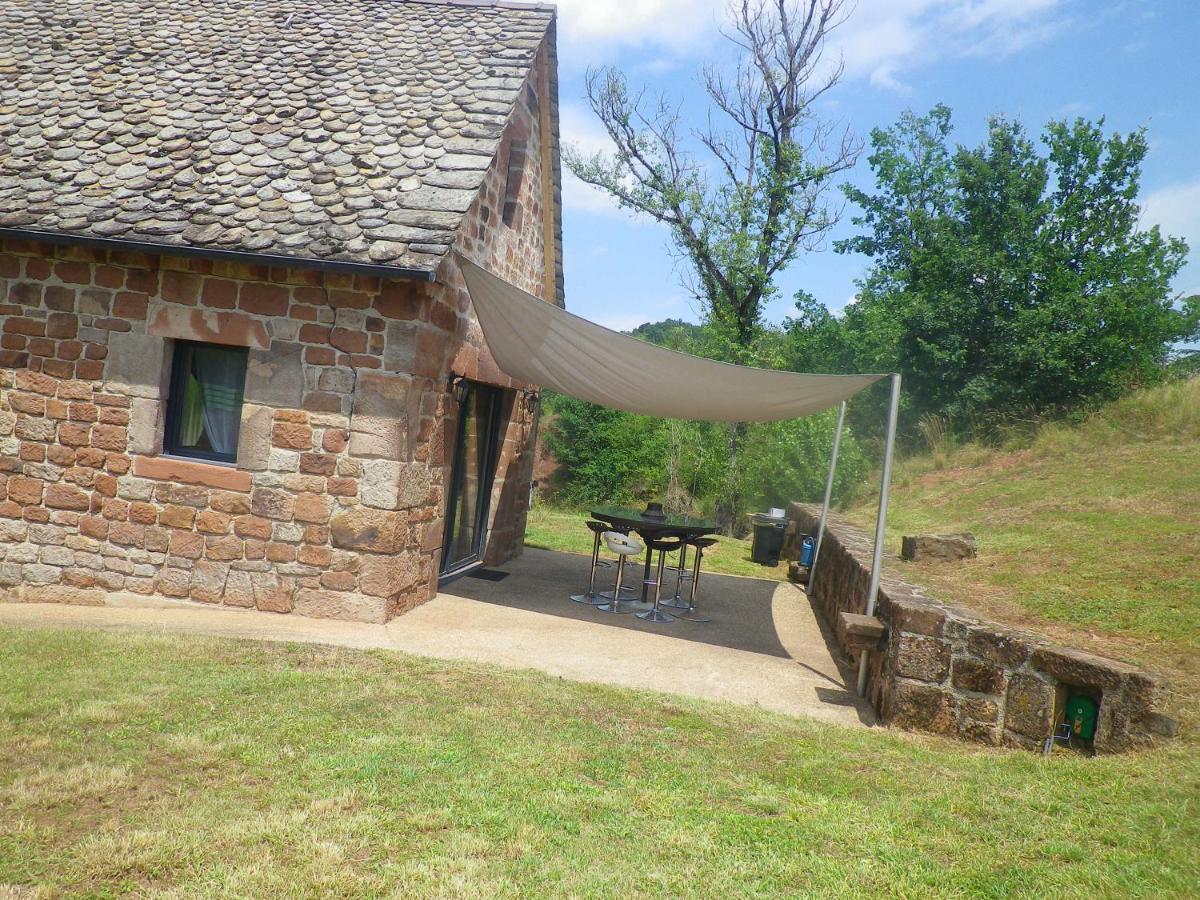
column 543, row 580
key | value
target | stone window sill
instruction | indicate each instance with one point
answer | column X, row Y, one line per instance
column 190, row 471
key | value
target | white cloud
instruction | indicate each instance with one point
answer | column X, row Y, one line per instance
column 881, row 39
column 580, row 197
column 580, row 129
column 677, row 25
column 1176, row 210
column 884, row 38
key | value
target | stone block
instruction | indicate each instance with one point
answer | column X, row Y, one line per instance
column 311, row 507
column 208, row 326
column 379, row 425
column 1029, row 709
column 922, row 707
column 380, row 483
column 998, row 645
column 275, row 377
column 188, row 472
column 208, row 581
column 386, row 576
column 861, row 632
column 937, row 547
column 239, row 591
column 145, row 429
column 980, row 732
column 135, row 365
column 272, row 593
column 376, row 531
column 969, row 674
column 922, row 658
column 400, row 346
column 272, row 504
column 416, row 482
column 979, row 709
column 913, row 617
column 339, row 605
column 1080, row 668
column 36, row 573
column 71, row 595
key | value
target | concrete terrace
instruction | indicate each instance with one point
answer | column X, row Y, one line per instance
column 764, row 647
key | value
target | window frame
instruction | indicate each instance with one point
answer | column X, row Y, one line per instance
column 175, row 400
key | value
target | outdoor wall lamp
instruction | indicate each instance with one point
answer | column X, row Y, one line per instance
column 532, row 399
column 459, row 387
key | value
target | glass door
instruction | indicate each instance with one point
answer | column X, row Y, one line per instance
column 471, row 474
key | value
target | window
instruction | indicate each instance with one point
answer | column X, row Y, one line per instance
column 204, row 407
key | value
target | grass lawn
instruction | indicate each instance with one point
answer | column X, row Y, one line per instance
column 203, row 767
column 552, row 528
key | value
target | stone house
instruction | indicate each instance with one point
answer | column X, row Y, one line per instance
column 238, row 363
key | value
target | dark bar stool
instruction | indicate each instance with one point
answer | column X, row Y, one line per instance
column 623, row 546
column 663, row 546
column 691, row 614
column 597, row 528
column 678, row 601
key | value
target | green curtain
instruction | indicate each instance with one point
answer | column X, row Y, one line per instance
column 191, row 419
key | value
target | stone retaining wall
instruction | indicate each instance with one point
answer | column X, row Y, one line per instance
column 946, row 670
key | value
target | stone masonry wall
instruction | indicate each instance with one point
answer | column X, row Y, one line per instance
column 946, row 670
column 335, row 506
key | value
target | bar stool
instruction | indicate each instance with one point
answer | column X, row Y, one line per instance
column 691, row 614
column 597, row 529
column 629, row 593
column 678, row 601
column 623, row 547
column 663, row 546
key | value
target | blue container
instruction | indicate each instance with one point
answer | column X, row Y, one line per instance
column 807, row 547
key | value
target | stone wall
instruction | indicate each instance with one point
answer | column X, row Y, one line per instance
column 946, row 670
column 335, row 506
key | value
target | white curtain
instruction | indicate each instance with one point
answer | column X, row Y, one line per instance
column 221, row 386
column 538, row 343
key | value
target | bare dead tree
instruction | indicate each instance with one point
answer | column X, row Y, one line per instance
column 742, row 215
column 749, row 191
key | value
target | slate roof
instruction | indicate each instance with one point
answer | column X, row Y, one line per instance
column 351, row 130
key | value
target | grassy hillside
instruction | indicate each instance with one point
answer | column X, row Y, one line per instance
column 1090, row 532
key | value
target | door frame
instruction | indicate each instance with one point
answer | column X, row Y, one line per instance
column 494, row 397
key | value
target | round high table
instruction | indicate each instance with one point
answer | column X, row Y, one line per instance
column 652, row 528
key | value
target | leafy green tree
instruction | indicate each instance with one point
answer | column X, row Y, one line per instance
column 674, row 333
column 1010, row 279
column 604, row 455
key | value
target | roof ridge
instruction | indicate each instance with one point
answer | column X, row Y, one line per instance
column 526, row 5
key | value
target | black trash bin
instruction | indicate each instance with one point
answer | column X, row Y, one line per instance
column 768, row 537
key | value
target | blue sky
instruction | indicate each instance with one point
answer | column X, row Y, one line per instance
column 1133, row 62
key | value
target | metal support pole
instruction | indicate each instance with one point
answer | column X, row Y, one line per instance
column 837, row 442
column 880, row 522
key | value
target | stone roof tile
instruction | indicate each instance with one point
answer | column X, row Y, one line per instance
column 340, row 130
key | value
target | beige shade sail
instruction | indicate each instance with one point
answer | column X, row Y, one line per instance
column 538, row 343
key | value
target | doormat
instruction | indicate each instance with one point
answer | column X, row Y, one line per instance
column 488, row 574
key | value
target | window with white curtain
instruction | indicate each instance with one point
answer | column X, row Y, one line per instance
column 204, row 406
